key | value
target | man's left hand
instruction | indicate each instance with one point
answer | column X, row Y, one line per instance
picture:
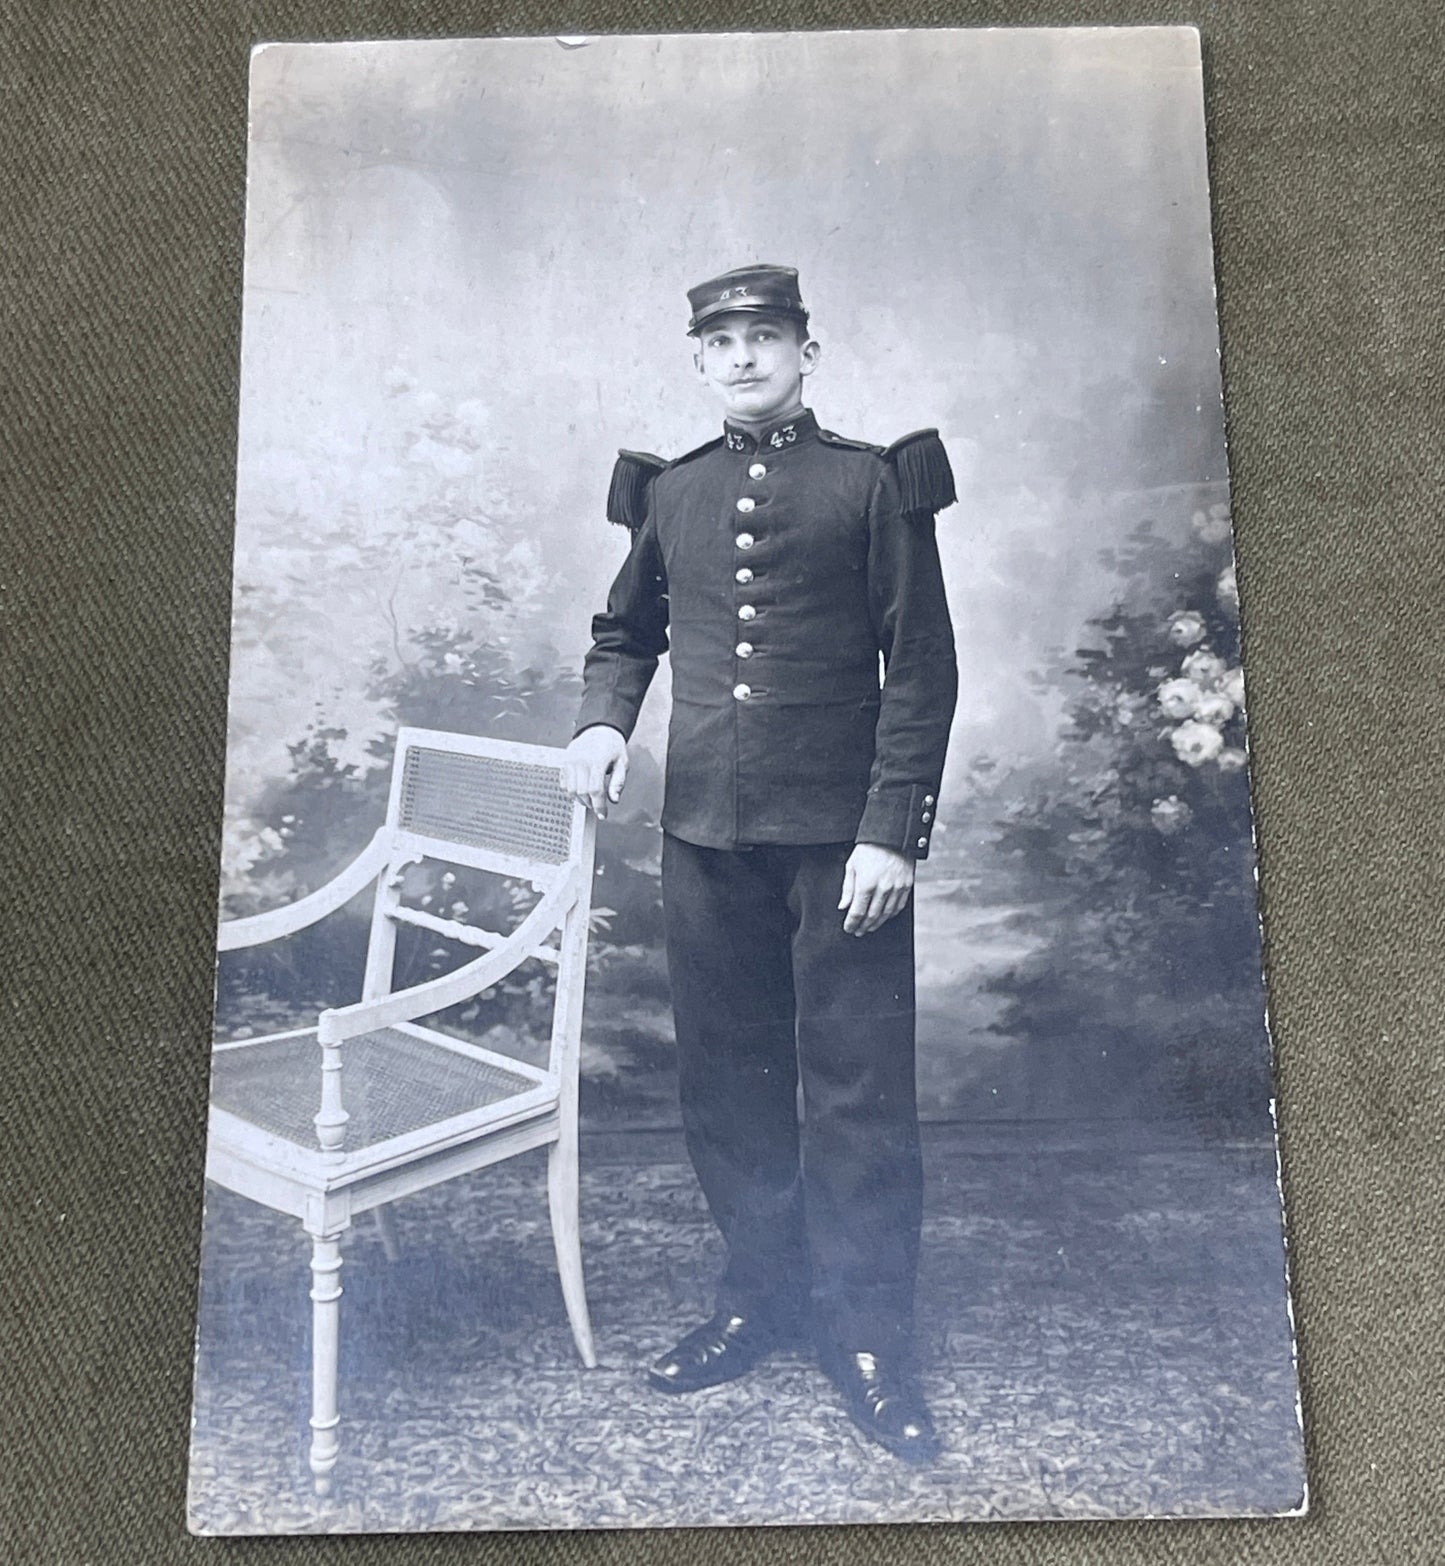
column 877, row 883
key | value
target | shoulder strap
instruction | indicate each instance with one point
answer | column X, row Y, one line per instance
column 830, row 438
column 697, row 451
column 632, row 477
column 924, row 475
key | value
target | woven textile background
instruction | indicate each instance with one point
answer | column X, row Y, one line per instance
column 120, row 251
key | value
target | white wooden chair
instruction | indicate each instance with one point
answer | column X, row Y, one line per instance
column 369, row 1105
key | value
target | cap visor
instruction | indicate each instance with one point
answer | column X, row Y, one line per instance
column 750, row 307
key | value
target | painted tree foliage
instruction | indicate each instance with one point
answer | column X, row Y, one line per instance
column 386, row 581
column 376, row 554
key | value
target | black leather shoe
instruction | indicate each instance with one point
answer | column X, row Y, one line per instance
column 884, row 1404
column 724, row 1347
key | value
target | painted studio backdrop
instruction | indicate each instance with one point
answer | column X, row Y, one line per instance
column 466, row 266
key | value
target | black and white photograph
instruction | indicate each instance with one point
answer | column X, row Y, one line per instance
column 739, row 993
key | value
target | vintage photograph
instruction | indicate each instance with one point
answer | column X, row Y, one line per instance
column 739, row 991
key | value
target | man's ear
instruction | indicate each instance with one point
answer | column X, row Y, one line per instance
column 812, row 352
column 697, row 362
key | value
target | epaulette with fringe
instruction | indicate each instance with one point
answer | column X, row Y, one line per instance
column 925, row 478
column 632, row 478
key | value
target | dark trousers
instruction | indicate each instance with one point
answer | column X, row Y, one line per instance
column 769, row 991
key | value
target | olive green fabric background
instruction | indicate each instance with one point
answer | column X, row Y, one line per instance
column 120, row 222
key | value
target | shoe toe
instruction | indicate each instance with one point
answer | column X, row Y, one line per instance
column 886, row 1407
column 666, row 1373
column 907, row 1434
column 722, row 1349
column 916, row 1441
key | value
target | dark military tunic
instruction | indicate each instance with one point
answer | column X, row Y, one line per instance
column 788, row 575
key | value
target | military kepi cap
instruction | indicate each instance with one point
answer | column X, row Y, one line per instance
column 771, row 290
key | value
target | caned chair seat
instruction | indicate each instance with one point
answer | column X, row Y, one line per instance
column 398, row 1081
column 370, row 1104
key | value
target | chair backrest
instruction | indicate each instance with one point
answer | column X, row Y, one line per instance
column 494, row 805
column 499, row 802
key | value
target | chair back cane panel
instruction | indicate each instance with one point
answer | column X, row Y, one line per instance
column 492, row 803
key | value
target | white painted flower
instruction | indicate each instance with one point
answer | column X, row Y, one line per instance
column 1170, row 815
column 1230, row 759
column 1226, row 589
column 1195, row 743
column 1214, row 707
column 1205, row 668
column 1186, row 628
column 1212, row 525
column 1178, row 698
column 443, row 459
column 1233, row 686
column 472, row 423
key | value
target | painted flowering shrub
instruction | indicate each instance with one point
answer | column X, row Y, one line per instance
column 1136, row 855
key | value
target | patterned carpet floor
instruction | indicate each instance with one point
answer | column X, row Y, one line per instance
column 1104, row 1333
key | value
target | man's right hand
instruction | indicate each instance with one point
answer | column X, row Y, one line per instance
column 594, row 767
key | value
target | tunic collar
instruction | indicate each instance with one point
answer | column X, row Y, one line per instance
column 776, row 437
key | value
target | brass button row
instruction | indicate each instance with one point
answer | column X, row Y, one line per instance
column 926, row 816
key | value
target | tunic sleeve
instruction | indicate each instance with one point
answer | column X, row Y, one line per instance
column 920, row 687
column 628, row 638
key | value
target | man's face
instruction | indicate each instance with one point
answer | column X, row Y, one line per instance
column 755, row 364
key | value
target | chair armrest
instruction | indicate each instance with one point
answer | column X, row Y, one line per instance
column 278, row 922
column 421, row 1000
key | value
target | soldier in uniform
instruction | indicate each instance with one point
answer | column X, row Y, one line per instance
column 785, row 563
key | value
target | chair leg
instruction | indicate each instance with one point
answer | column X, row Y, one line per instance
column 325, row 1342
column 567, row 1241
column 386, row 1228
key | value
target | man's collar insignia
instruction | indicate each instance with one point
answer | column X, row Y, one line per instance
column 789, row 434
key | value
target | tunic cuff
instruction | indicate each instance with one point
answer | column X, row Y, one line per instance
column 606, row 707
column 901, row 819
